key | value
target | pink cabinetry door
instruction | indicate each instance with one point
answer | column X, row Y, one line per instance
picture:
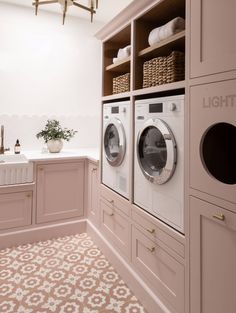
column 160, row 269
column 15, row 209
column 213, row 44
column 60, row 191
column 212, row 258
column 92, row 193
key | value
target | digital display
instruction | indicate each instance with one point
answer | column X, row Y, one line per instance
column 114, row 110
column 155, row 107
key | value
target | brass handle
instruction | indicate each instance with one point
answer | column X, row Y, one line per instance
column 220, row 217
column 152, row 249
column 151, row 231
column 94, row 169
column 41, row 168
column 28, row 195
column 111, row 201
column 111, row 214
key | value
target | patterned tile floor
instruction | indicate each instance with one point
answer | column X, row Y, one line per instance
column 64, row 275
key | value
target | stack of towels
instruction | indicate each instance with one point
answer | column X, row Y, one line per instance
column 172, row 27
column 122, row 54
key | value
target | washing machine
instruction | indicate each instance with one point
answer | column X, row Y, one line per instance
column 159, row 158
column 213, row 139
column 115, row 155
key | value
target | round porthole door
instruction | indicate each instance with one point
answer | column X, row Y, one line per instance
column 218, row 153
column 114, row 142
column 156, row 151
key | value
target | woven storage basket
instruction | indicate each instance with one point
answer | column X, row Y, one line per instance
column 121, row 83
column 164, row 70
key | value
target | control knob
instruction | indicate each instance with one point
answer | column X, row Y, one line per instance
column 172, row 106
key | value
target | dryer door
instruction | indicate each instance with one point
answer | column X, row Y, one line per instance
column 156, row 151
column 114, row 142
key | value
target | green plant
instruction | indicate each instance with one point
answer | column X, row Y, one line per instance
column 54, row 131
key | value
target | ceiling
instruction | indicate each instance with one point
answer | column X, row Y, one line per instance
column 107, row 9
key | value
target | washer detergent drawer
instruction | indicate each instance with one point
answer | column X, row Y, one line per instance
column 159, row 269
column 212, row 139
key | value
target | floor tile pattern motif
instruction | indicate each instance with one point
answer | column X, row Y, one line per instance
column 64, row 275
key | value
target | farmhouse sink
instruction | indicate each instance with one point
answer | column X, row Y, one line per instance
column 15, row 169
column 13, row 159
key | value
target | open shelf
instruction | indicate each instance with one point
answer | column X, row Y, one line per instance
column 160, row 88
column 175, row 42
column 120, row 66
column 117, row 96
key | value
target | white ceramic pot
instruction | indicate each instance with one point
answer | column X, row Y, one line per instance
column 55, row 146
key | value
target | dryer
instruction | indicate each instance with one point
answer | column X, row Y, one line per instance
column 159, row 158
column 115, row 154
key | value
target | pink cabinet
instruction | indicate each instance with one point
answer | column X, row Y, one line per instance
column 212, row 258
column 213, row 44
column 115, row 226
column 60, row 191
column 92, row 192
column 15, row 209
column 159, row 269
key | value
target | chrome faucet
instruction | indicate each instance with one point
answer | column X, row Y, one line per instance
column 2, row 149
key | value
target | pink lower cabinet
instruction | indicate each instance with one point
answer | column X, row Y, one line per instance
column 115, row 226
column 212, row 258
column 60, row 191
column 92, row 193
column 161, row 271
column 15, row 209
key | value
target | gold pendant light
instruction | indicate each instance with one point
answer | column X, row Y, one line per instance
column 65, row 4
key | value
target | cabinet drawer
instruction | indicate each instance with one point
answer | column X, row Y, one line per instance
column 115, row 227
column 15, row 209
column 155, row 233
column 116, row 200
column 161, row 271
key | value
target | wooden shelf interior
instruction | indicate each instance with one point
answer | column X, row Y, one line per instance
column 110, row 50
column 157, row 16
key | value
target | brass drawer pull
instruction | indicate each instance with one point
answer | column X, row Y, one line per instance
column 111, row 201
column 28, row 195
column 220, row 217
column 94, row 169
column 152, row 249
column 111, row 214
column 151, row 231
column 41, row 168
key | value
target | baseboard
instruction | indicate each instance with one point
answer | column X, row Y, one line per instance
column 146, row 296
column 39, row 233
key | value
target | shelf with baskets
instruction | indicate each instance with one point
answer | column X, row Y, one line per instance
column 116, row 62
column 160, row 45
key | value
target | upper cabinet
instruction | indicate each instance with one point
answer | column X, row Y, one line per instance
column 148, row 51
column 213, row 44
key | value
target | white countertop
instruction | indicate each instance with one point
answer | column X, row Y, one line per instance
column 36, row 155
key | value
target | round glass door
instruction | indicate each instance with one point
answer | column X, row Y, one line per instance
column 156, row 151
column 114, row 142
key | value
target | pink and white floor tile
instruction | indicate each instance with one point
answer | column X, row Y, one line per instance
column 64, row 275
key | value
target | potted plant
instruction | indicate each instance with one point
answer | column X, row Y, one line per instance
column 53, row 134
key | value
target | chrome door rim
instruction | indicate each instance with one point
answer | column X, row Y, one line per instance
column 122, row 142
column 168, row 170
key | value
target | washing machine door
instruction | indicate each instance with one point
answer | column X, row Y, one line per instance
column 114, row 142
column 156, row 151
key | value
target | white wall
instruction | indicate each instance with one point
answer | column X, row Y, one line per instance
column 46, row 70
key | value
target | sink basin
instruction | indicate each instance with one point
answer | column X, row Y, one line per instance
column 15, row 169
column 13, row 158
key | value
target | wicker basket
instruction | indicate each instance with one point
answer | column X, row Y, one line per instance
column 164, row 70
column 121, row 83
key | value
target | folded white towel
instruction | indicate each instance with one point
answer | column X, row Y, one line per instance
column 124, row 52
column 115, row 60
column 172, row 27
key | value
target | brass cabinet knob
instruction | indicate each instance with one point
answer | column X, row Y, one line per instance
column 220, row 217
column 151, row 231
column 28, row 195
column 152, row 249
